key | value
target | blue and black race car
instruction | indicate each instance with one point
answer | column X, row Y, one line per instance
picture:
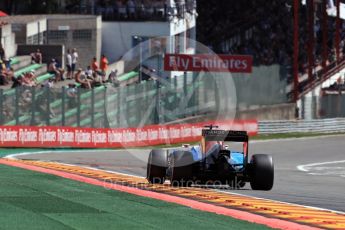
column 212, row 163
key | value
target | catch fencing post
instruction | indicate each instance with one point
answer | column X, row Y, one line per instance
column 92, row 108
column 33, row 103
column 16, row 111
column 48, row 107
column 118, row 115
column 63, row 100
column 127, row 105
column 2, row 106
column 105, row 116
column 78, row 107
column 137, row 108
column 157, row 109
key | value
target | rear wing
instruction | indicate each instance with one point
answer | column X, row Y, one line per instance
column 223, row 135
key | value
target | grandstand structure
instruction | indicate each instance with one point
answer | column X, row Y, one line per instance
column 82, row 32
column 120, row 103
column 297, row 51
column 106, row 105
column 304, row 38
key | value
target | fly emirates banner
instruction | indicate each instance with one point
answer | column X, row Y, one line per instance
column 208, row 63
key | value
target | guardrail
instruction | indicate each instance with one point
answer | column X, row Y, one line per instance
column 335, row 125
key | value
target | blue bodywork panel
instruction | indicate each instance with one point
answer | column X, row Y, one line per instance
column 236, row 158
column 196, row 151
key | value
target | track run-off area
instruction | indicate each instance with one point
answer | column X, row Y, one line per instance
column 308, row 188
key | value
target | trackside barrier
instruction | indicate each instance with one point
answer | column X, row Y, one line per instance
column 335, row 125
column 29, row 136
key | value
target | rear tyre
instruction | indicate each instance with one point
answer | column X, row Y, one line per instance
column 262, row 172
column 181, row 168
column 156, row 166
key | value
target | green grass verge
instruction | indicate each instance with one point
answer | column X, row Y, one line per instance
column 291, row 135
column 31, row 200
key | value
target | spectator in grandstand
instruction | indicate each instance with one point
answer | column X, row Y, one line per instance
column 48, row 83
column 6, row 76
column 121, row 9
column 2, row 65
column 159, row 7
column 2, row 52
column 89, row 72
column 41, row 106
column 17, row 81
column 334, row 86
column 82, row 80
column 28, row 79
column 94, row 64
column 75, row 57
column 69, row 64
column 97, row 80
column 71, row 93
column 9, row 74
column 6, row 112
column 32, row 76
column 7, row 63
column 104, row 66
column 112, row 78
column 36, row 57
column 25, row 100
column 3, row 77
column 109, row 8
column 53, row 69
column 131, row 8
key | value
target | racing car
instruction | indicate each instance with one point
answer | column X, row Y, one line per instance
column 212, row 162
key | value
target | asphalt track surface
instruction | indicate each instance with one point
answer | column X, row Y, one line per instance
column 321, row 183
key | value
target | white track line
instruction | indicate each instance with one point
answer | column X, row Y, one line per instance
column 219, row 190
column 304, row 168
column 13, row 156
column 101, row 170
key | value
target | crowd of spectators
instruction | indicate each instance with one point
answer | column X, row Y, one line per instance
column 269, row 38
column 36, row 57
column 130, row 9
column 134, row 9
column 94, row 75
column 338, row 85
column 6, row 71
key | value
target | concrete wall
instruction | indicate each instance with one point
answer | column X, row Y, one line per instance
column 264, row 86
column 87, row 48
column 24, row 30
column 20, row 32
column 48, row 52
column 332, row 106
column 118, row 66
column 273, row 112
column 8, row 40
column 312, row 103
column 117, row 37
column 36, row 27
